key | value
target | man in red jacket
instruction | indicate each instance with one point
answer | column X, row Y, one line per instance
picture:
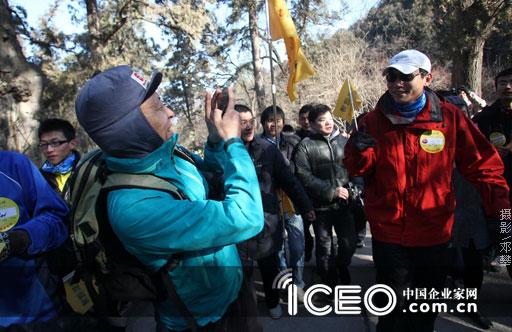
column 406, row 149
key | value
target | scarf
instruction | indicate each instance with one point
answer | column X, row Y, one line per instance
column 411, row 110
column 62, row 168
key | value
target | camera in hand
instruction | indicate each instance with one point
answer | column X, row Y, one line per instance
column 355, row 194
column 223, row 100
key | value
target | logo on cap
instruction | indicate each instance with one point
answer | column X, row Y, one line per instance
column 140, row 79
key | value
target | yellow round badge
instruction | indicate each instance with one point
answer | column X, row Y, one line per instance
column 9, row 214
column 497, row 139
column 432, row 141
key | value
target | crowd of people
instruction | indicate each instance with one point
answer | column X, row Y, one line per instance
column 252, row 201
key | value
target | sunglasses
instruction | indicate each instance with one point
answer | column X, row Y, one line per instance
column 392, row 76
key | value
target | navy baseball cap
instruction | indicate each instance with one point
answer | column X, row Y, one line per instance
column 108, row 108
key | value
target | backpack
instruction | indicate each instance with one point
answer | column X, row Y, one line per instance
column 104, row 273
column 453, row 97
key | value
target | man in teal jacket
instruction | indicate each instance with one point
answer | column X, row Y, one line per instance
column 123, row 114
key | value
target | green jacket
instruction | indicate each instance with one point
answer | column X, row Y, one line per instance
column 152, row 225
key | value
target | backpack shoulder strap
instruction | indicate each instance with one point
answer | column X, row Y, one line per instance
column 117, row 181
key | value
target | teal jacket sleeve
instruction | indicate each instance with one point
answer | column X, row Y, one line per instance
column 153, row 222
column 214, row 158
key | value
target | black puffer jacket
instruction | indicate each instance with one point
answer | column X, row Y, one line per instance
column 495, row 121
column 319, row 167
column 272, row 173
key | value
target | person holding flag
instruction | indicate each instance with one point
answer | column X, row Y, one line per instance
column 406, row 149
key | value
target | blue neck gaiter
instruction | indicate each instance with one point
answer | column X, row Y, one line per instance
column 65, row 166
column 413, row 109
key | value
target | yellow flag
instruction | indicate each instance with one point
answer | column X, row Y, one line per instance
column 343, row 107
column 281, row 26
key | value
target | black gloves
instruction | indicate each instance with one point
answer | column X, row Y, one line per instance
column 19, row 242
column 14, row 243
column 362, row 140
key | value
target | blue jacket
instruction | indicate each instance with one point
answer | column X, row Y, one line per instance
column 26, row 196
column 152, row 225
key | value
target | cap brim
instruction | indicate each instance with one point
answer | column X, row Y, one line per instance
column 156, row 79
column 403, row 68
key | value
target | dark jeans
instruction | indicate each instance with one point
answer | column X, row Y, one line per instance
column 333, row 265
column 404, row 267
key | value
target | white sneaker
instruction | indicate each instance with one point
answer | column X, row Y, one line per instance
column 300, row 294
column 276, row 313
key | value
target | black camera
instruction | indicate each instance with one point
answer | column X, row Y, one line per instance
column 355, row 194
column 223, row 100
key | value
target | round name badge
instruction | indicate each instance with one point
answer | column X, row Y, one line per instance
column 497, row 139
column 432, row 141
column 9, row 214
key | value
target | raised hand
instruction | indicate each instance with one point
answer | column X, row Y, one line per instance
column 221, row 127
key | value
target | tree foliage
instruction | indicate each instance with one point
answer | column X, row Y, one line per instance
column 198, row 44
column 458, row 34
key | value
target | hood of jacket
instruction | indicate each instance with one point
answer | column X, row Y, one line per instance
column 163, row 163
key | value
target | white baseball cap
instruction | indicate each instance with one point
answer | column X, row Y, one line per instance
column 409, row 60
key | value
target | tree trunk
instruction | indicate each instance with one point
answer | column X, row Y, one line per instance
column 21, row 85
column 467, row 65
column 478, row 20
column 93, row 26
column 474, row 70
column 256, row 58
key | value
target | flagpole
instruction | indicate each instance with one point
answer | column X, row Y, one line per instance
column 352, row 104
column 273, row 86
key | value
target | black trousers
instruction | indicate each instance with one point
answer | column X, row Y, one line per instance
column 333, row 265
column 473, row 268
column 404, row 267
column 359, row 221
column 269, row 269
column 242, row 314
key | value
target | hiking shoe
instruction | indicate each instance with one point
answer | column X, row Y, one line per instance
column 480, row 320
column 276, row 312
column 321, row 298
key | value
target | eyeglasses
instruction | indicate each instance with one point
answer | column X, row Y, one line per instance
column 392, row 76
column 53, row 144
column 247, row 123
